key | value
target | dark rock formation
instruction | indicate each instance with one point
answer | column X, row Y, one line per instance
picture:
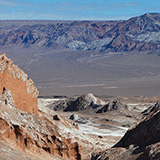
column 60, row 106
column 144, row 133
column 113, row 105
column 83, row 102
column 55, row 117
column 78, row 119
column 151, row 109
column 141, row 142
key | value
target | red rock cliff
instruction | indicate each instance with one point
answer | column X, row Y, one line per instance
column 18, row 86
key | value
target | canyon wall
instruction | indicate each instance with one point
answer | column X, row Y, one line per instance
column 16, row 88
column 39, row 134
column 42, row 136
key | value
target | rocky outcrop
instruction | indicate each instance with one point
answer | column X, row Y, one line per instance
column 144, row 133
column 83, row 102
column 141, row 142
column 113, row 105
column 151, row 109
column 38, row 135
column 78, row 119
column 16, row 88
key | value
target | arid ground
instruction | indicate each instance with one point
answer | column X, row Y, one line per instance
column 68, row 72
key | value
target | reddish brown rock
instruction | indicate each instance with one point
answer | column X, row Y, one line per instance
column 46, row 134
column 38, row 135
column 15, row 86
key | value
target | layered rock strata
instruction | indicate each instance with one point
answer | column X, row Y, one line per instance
column 39, row 135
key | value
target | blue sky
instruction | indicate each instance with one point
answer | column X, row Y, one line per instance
column 76, row 9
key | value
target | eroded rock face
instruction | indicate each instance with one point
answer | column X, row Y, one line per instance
column 144, row 133
column 37, row 134
column 113, row 105
column 141, row 142
column 23, row 127
column 151, row 109
column 84, row 102
column 16, row 88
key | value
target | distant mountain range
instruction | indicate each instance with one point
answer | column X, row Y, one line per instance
column 136, row 34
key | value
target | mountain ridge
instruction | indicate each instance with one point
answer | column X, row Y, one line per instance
column 139, row 33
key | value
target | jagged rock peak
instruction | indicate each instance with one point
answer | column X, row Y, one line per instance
column 141, row 141
column 16, row 82
column 113, row 105
column 153, row 108
column 91, row 98
column 144, row 133
column 84, row 102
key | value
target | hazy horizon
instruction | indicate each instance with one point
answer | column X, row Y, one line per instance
column 75, row 10
column 70, row 20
